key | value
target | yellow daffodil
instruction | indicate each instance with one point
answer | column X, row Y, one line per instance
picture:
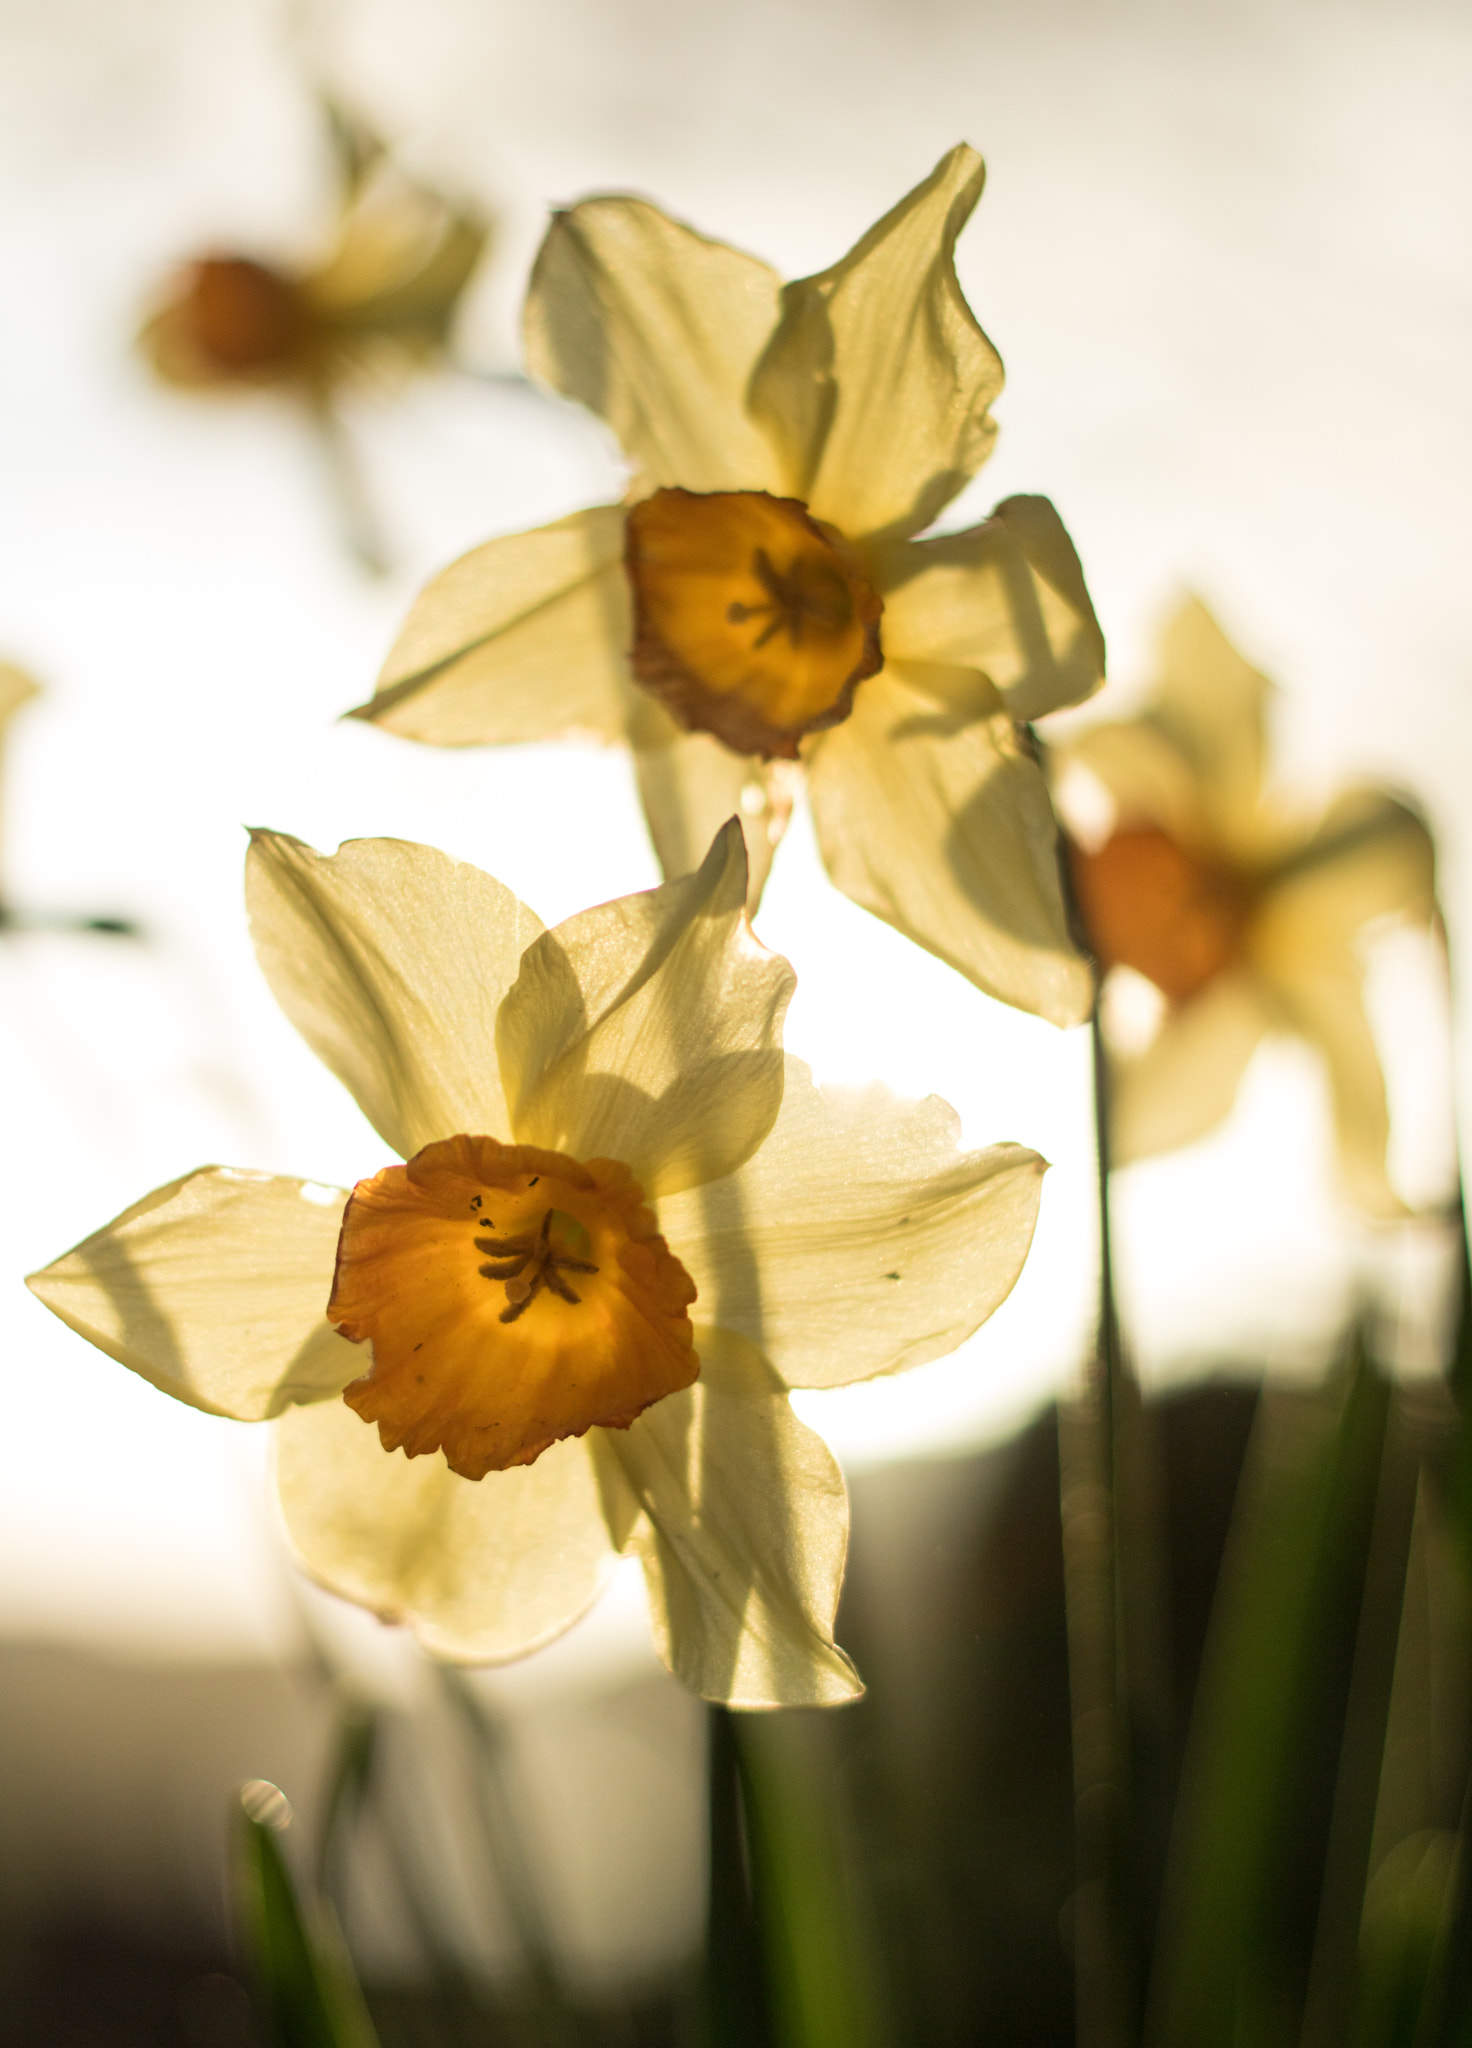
column 383, row 296
column 624, row 1230
column 1243, row 912
column 761, row 600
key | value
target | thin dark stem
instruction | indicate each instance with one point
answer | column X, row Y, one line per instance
column 361, row 529
column 1106, row 1608
column 1087, row 1495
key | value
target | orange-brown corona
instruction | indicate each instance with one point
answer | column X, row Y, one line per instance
column 752, row 619
column 512, row 1297
column 1147, row 903
column 231, row 320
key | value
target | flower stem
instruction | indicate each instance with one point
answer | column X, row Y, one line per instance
column 360, row 525
column 1103, row 1958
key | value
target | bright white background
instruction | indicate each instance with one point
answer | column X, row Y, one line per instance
column 1224, row 253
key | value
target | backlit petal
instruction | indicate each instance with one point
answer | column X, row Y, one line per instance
column 403, row 260
column 1007, row 598
column 859, row 1240
column 1324, row 1004
column 1371, row 858
column 522, row 639
column 656, row 329
column 878, row 380
column 482, row 1571
column 743, row 1535
column 1212, row 705
column 391, row 960
column 1150, row 780
column 214, row 1289
column 649, row 1030
column 941, row 825
column 1186, row 1080
column 690, row 784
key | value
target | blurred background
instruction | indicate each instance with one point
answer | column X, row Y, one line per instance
column 1224, row 252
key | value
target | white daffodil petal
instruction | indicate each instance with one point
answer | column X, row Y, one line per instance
column 214, row 1289
column 402, row 261
column 858, row 1240
column 656, row 329
column 391, row 960
column 1186, row 1080
column 1150, row 780
column 17, row 687
column 942, row 826
column 690, row 784
column 481, row 1570
column 1372, row 858
column 878, row 380
column 743, row 1535
column 649, row 1030
column 1324, row 1004
column 1212, row 705
column 521, row 639
column 1007, row 598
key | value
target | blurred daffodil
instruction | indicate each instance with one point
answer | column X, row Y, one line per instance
column 380, row 302
column 1244, row 913
column 382, row 298
column 760, row 604
column 624, row 1230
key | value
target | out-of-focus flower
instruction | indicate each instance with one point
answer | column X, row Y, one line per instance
column 624, row 1231
column 17, row 688
column 1244, row 912
column 382, row 298
column 761, row 600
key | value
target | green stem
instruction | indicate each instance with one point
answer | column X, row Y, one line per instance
column 1104, row 1969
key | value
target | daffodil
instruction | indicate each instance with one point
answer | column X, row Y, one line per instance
column 382, row 297
column 566, row 1327
column 1245, row 911
column 760, row 605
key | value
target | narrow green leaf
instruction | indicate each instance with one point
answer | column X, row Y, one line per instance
column 734, row 1995
column 1252, row 1821
column 497, row 1809
column 347, row 1790
column 308, row 1993
column 819, row 1951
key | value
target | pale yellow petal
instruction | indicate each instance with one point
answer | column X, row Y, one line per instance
column 743, row 1535
column 878, row 380
column 1186, row 1080
column 941, row 824
column 1212, row 705
column 859, row 1240
column 690, row 784
column 1372, row 858
column 1324, row 1004
column 657, row 329
column 1151, row 780
column 649, row 1030
column 521, row 639
column 481, row 1570
column 17, row 687
column 391, row 960
column 402, row 262
column 1007, row 598
column 214, row 1289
